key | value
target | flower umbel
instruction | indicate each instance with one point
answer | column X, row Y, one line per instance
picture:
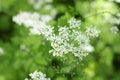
column 92, row 32
column 37, row 76
column 69, row 40
column 74, row 23
column 37, row 4
column 114, row 29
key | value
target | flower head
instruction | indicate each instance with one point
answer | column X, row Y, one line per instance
column 37, row 4
column 114, row 29
column 74, row 23
column 37, row 76
column 92, row 32
column 69, row 40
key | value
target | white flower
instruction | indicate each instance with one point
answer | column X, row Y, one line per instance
column 36, row 23
column 72, row 40
column 1, row 51
column 37, row 76
column 37, row 4
column 45, row 5
column 92, row 32
column 23, row 48
column 89, row 48
column 51, row 10
column 26, row 18
column 114, row 29
column 31, row 19
column 74, row 23
column 116, row 20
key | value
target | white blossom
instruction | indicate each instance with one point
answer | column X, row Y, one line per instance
column 116, row 20
column 23, row 48
column 72, row 40
column 51, row 10
column 89, row 48
column 34, row 21
column 45, row 5
column 31, row 19
column 37, row 76
column 74, row 23
column 92, row 32
column 114, row 29
column 69, row 40
column 37, row 4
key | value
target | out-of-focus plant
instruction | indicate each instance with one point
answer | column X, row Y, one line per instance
column 22, row 52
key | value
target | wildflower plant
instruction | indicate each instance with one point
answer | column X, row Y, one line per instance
column 55, row 37
column 69, row 40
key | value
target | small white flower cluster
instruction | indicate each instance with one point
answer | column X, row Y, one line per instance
column 70, row 39
column 114, row 29
column 34, row 21
column 43, row 4
column 74, row 23
column 23, row 48
column 116, row 20
column 92, row 32
column 37, row 4
column 30, row 19
column 37, row 76
column 1, row 51
column 51, row 9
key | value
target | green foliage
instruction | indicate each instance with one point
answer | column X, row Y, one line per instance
column 24, row 53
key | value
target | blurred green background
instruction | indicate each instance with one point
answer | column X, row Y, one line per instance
column 21, row 53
